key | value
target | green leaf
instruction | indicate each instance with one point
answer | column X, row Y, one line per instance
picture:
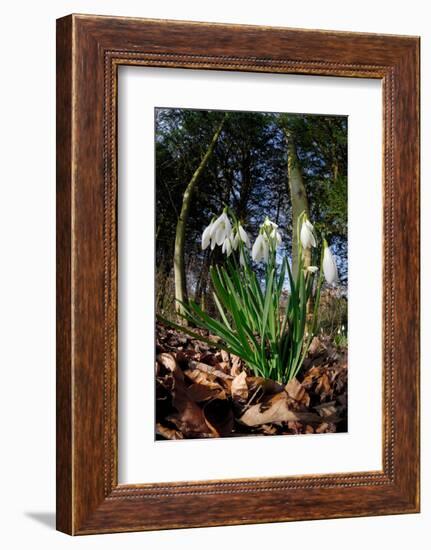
column 267, row 304
column 221, row 311
column 193, row 334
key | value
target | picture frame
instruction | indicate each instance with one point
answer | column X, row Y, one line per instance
column 89, row 51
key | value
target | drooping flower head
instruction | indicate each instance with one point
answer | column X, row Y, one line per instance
column 269, row 238
column 271, row 232
column 221, row 229
column 220, row 232
column 206, row 235
column 329, row 266
column 260, row 250
column 242, row 233
column 235, row 238
column 307, row 236
column 227, row 246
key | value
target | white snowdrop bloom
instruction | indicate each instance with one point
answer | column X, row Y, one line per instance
column 312, row 268
column 227, row 246
column 206, row 235
column 275, row 234
column 268, row 224
column 242, row 260
column 329, row 266
column 260, row 249
column 221, row 229
column 243, row 235
column 235, row 240
column 271, row 231
column 307, row 234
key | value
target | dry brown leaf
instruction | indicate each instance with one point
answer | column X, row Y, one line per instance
column 167, row 360
column 275, row 409
column 210, row 370
column 236, row 367
column 208, row 358
column 200, row 392
column 268, row 429
column 235, row 370
column 326, row 427
column 295, row 389
column 189, row 418
column 323, row 385
column 310, row 377
column 266, row 384
column 295, row 427
column 314, row 346
column 239, row 388
column 326, row 409
column 225, row 357
column 183, row 357
column 168, row 433
column 201, row 377
column 223, row 366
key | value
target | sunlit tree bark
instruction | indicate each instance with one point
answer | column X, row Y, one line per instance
column 179, row 268
column 298, row 196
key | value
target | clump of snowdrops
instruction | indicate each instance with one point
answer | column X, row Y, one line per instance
column 272, row 338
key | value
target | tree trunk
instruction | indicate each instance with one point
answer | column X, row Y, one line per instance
column 299, row 200
column 245, row 186
column 202, row 281
column 179, row 268
column 298, row 197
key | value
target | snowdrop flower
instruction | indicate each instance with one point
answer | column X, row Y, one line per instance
column 242, row 258
column 275, row 236
column 213, row 242
column 271, row 231
column 243, row 236
column 227, row 246
column 235, row 240
column 221, row 229
column 312, row 269
column 329, row 265
column 260, row 249
column 268, row 224
column 269, row 227
column 206, row 235
column 307, row 234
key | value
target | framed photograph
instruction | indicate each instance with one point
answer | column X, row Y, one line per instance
column 237, row 274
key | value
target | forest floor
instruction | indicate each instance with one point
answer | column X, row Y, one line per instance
column 204, row 392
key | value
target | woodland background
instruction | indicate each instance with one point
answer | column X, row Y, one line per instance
column 259, row 164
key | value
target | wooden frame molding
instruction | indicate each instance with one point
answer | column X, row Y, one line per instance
column 89, row 51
